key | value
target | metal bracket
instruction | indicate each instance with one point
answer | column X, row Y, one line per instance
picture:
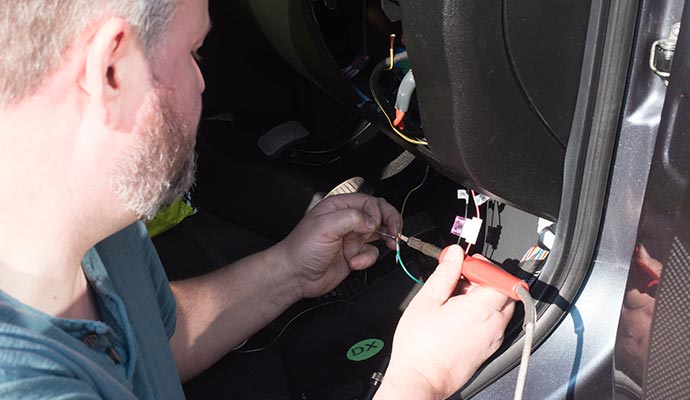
column 662, row 51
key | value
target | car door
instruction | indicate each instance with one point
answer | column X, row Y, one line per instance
column 652, row 353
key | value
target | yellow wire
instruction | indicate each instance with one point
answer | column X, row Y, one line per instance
column 392, row 45
column 378, row 103
column 402, row 135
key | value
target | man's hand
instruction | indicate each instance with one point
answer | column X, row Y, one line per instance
column 443, row 337
column 218, row 310
column 334, row 238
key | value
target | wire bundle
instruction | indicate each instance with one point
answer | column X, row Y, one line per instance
column 355, row 68
column 373, row 80
column 535, row 253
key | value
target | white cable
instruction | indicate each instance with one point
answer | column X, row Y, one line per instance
column 530, row 321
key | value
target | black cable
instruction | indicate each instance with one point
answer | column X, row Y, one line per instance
column 518, row 80
column 491, row 204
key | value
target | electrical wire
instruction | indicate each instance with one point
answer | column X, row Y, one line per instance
column 390, row 49
column 373, row 78
column 359, row 63
column 402, row 209
column 476, row 206
column 490, row 224
column 402, row 135
column 535, row 253
column 398, row 259
column 402, row 265
column 528, row 327
column 293, row 319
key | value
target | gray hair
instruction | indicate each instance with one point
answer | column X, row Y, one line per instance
column 34, row 35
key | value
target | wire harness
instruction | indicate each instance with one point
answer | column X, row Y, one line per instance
column 373, row 81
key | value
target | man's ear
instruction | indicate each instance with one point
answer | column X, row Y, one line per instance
column 113, row 59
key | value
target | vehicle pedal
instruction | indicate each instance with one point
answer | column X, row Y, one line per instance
column 279, row 138
column 353, row 185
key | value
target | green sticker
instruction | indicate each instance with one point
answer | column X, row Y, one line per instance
column 365, row 349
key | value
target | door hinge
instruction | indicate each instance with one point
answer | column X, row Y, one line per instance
column 661, row 54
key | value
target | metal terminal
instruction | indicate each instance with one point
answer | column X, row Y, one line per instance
column 384, row 234
column 422, row 246
column 377, row 377
column 662, row 51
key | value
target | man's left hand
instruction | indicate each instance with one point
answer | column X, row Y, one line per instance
column 334, row 238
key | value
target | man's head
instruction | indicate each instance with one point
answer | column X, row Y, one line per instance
column 123, row 75
column 35, row 34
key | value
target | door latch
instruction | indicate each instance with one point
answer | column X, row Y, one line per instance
column 661, row 54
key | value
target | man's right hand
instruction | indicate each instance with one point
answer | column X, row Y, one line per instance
column 449, row 329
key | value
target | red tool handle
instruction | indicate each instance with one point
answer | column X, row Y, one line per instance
column 488, row 275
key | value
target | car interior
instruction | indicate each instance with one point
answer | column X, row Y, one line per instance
column 452, row 110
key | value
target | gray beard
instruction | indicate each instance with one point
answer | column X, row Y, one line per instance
column 162, row 166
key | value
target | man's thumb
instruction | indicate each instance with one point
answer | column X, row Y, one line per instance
column 441, row 284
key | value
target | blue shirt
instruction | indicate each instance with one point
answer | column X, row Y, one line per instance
column 126, row 355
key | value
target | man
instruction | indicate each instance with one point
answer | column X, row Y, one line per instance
column 99, row 101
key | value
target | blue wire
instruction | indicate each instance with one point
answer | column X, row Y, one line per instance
column 400, row 261
column 362, row 96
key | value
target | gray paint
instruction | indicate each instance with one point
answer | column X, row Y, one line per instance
column 577, row 359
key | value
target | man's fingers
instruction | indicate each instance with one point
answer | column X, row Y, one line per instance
column 493, row 298
column 390, row 216
column 385, row 217
column 489, row 297
column 338, row 224
column 442, row 283
column 390, row 221
column 366, row 257
column 357, row 201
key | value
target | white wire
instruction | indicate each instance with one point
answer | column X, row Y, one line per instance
column 530, row 321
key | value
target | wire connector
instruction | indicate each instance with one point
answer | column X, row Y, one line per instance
column 463, row 195
column 470, row 231
column 458, row 225
column 480, row 199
